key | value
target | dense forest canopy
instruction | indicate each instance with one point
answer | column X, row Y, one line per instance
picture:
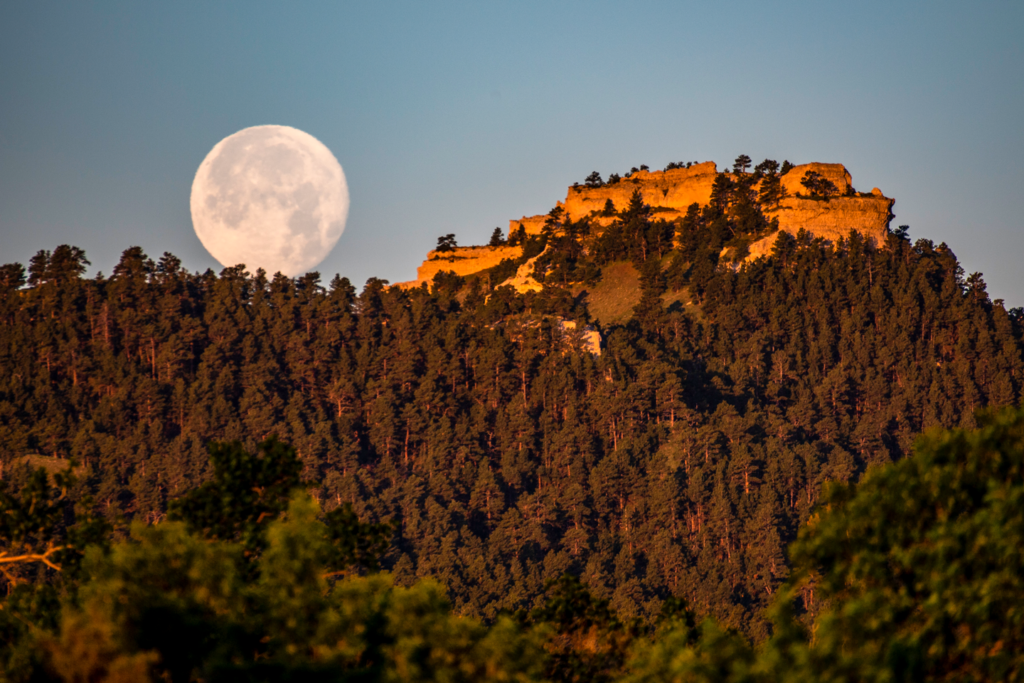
column 677, row 464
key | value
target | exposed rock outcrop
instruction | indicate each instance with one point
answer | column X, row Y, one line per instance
column 829, row 218
column 532, row 224
column 523, row 281
column 675, row 189
column 836, row 173
column 573, row 337
column 461, row 261
column 586, row 338
column 670, row 193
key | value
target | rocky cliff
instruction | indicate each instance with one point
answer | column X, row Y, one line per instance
column 461, row 261
column 675, row 189
column 832, row 219
column 671, row 193
column 835, row 173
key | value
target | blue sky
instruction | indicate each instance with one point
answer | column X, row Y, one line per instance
column 453, row 117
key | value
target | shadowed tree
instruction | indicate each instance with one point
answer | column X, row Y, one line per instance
column 446, row 243
column 917, row 569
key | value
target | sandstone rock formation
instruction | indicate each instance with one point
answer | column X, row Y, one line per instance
column 461, row 261
column 670, row 193
column 581, row 338
column 586, row 338
column 836, row 173
column 832, row 219
column 532, row 224
column 523, row 281
column 675, row 189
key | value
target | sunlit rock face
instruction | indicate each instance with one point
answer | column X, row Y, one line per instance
column 523, row 281
column 675, row 189
column 670, row 193
column 831, row 219
column 461, row 261
column 531, row 224
column 835, row 173
column 586, row 338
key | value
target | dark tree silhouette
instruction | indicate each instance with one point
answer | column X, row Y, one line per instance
column 446, row 243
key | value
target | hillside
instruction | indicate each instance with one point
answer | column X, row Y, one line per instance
column 680, row 461
column 832, row 215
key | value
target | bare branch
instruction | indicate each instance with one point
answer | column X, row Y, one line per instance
column 25, row 558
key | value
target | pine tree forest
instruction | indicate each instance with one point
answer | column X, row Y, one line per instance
column 674, row 467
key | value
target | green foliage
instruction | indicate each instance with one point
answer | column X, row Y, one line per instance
column 497, row 238
column 634, row 236
column 163, row 596
column 564, row 259
column 354, row 543
column 28, row 609
column 648, row 312
column 167, row 605
column 586, row 640
column 502, row 272
column 28, row 522
column 674, row 466
column 40, row 530
column 678, row 463
column 771, row 191
column 429, row 643
column 447, row 282
column 12, row 277
column 671, row 470
column 916, row 571
column 741, row 164
column 64, row 265
column 90, row 648
column 246, row 493
column 912, row 574
column 818, row 186
column 767, row 167
column 705, row 653
column 517, row 237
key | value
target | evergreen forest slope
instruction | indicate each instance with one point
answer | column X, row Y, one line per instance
column 680, row 461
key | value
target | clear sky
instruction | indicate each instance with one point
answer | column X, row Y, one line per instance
column 457, row 117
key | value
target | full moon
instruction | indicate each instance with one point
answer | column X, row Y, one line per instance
column 270, row 197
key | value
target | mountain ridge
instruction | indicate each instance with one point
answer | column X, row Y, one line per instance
column 671, row 192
